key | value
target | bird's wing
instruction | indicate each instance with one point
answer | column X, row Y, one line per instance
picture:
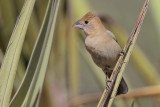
column 113, row 36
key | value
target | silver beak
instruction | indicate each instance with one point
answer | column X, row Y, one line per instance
column 78, row 24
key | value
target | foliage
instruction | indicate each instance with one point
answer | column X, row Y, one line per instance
column 43, row 48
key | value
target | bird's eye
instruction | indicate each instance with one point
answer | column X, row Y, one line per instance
column 86, row 22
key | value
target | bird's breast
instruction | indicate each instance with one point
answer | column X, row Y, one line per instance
column 103, row 52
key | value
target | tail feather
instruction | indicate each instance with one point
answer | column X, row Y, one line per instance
column 123, row 88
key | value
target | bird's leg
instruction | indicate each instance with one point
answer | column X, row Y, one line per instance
column 107, row 81
column 106, row 70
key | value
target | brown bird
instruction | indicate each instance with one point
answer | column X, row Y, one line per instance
column 102, row 45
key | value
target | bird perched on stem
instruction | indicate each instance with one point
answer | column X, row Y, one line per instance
column 102, row 45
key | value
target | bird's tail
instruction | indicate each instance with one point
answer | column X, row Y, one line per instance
column 123, row 88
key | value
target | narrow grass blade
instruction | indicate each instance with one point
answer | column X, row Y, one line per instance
column 37, row 84
column 21, row 93
column 10, row 62
column 109, row 95
column 148, row 91
column 32, row 31
column 155, row 8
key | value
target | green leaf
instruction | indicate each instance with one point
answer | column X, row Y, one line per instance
column 10, row 62
column 155, row 8
column 44, row 58
column 21, row 93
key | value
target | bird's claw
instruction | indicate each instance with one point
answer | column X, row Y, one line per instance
column 107, row 81
column 122, row 52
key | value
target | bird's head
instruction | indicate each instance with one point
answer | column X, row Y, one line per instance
column 89, row 23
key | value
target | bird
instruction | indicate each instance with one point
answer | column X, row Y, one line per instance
column 102, row 46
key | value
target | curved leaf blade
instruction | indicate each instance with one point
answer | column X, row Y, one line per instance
column 37, row 84
column 21, row 94
column 12, row 55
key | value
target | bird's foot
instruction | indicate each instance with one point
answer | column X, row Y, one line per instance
column 122, row 52
column 108, row 81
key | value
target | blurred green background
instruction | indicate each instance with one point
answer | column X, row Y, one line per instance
column 72, row 78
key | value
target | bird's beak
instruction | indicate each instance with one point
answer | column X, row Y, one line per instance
column 78, row 24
